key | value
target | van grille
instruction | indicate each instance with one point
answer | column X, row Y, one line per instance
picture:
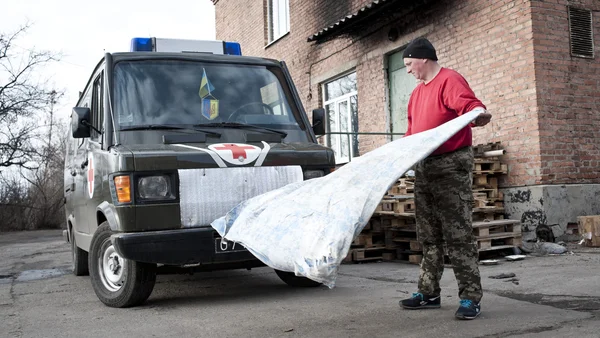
column 207, row 194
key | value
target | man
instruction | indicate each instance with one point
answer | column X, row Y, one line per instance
column 443, row 182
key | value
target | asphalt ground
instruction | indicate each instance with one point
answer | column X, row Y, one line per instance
column 555, row 296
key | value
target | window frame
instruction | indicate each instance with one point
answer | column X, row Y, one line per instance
column 97, row 106
column 336, row 101
column 271, row 37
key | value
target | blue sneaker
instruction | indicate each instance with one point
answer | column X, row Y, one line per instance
column 468, row 309
column 421, row 301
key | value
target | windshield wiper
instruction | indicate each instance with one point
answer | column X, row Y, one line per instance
column 169, row 127
column 240, row 126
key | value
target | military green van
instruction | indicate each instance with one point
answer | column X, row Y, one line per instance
column 168, row 137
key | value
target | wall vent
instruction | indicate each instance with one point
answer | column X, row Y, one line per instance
column 581, row 32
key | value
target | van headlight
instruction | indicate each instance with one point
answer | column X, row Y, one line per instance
column 157, row 187
column 309, row 174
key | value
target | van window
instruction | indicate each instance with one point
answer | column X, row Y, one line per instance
column 175, row 92
column 98, row 105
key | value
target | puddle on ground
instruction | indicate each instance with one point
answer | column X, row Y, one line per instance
column 6, row 279
column 31, row 275
column 566, row 302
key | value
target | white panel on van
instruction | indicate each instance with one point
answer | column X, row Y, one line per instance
column 182, row 45
column 207, row 194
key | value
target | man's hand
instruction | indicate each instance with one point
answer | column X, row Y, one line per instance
column 482, row 119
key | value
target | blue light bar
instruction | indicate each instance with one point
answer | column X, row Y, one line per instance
column 142, row 45
column 233, row 48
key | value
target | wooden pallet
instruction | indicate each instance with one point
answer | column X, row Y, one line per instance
column 403, row 186
column 408, row 215
column 489, row 166
column 397, row 204
column 489, row 192
column 497, row 234
column 479, row 149
column 496, row 242
column 504, row 226
column 485, row 181
column 388, row 219
column 411, row 244
column 367, row 254
column 481, row 200
column 414, row 257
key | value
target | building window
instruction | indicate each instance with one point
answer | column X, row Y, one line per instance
column 341, row 107
column 279, row 18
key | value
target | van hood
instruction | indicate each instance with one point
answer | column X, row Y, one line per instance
column 223, row 155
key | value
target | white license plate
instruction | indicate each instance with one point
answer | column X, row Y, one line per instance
column 222, row 246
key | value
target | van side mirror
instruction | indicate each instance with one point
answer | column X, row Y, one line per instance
column 80, row 122
column 319, row 121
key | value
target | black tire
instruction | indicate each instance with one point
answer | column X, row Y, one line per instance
column 296, row 281
column 80, row 258
column 123, row 284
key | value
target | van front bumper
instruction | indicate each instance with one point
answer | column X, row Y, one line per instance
column 189, row 246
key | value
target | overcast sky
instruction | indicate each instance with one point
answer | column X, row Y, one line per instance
column 82, row 31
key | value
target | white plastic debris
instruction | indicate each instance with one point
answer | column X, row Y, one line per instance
column 547, row 248
column 515, row 257
column 489, row 262
column 307, row 227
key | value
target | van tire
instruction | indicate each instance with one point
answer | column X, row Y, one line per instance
column 80, row 258
column 118, row 282
column 296, row 281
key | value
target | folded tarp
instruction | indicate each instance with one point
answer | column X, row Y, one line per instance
column 307, row 227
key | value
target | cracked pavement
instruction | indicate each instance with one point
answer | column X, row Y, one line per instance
column 557, row 296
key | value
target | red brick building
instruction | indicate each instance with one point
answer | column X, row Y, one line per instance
column 534, row 63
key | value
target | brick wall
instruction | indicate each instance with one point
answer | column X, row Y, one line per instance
column 491, row 45
column 568, row 96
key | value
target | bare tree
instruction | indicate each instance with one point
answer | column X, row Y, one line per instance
column 23, row 98
column 45, row 190
column 31, row 190
column 13, row 203
column 33, row 198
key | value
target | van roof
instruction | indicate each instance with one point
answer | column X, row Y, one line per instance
column 220, row 58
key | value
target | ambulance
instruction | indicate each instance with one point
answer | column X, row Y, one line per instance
column 165, row 139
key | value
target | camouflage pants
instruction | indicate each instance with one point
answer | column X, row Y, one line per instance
column 444, row 206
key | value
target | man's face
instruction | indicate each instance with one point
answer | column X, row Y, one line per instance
column 415, row 67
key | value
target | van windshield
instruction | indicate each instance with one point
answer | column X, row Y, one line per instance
column 175, row 92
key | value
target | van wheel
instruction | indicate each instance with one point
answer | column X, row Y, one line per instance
column 296, row 281
column 118, row 282
column 80, row 258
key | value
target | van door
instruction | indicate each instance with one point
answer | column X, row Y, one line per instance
column 92, row 170
column 69, row 174
column 78, row 171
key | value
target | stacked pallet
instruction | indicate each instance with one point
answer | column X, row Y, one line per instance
column 489, row 201
column 367, row 246
column 391, row 232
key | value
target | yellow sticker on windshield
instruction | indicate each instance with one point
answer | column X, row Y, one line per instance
column 205, row 86
column 210, row 108
column 210, row 105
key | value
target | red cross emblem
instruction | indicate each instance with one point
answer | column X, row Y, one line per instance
column 236, row 153
column 90, row 176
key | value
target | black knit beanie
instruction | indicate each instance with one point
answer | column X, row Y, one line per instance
column 420, row 48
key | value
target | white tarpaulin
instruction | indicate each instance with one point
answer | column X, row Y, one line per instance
column 307, row 227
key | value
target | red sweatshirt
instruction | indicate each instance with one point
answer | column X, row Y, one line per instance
column 430, row 105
